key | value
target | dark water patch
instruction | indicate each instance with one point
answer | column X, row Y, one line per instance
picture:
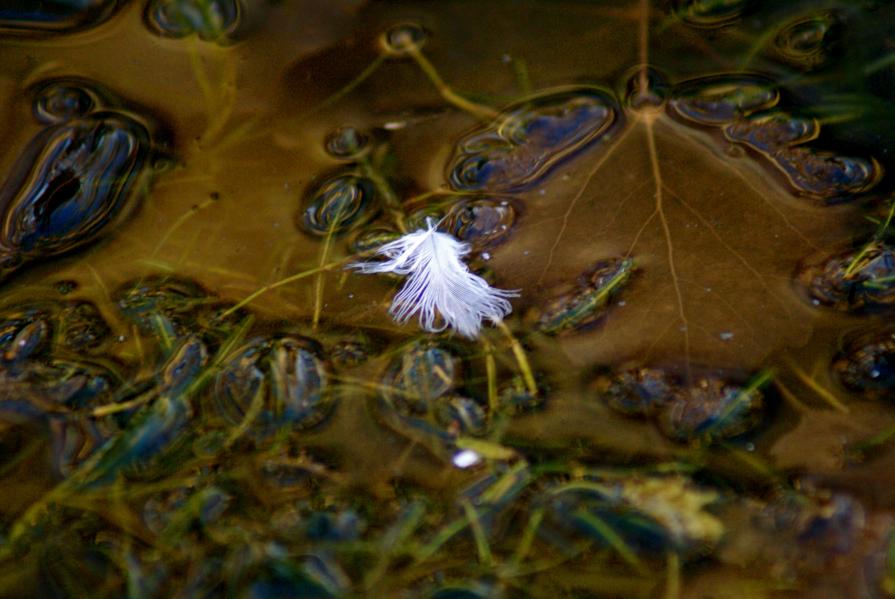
column 741, row 105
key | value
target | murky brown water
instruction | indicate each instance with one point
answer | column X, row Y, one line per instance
column 691, row 397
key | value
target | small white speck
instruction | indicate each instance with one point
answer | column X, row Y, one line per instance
column 393, row 125
column 525, row 252
column 623, row 303
column 874, row 373
column 542, row 192
column 350, row 296
column 726, row 336
column 708, row 289
column 121, row 338
column 466, row 458
column 486, row 256
column 815, row 302
column 750, row 446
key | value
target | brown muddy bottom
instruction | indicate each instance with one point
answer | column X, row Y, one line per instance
column 692, row 395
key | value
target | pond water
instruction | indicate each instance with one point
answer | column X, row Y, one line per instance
column 692, row 396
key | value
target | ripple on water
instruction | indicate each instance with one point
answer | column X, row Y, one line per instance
column 74, row 179
column 35, row 18
column 279, row 380
column 530, row 138
column 422, row 398
column 211, row 20
column 766, row 132
column 710, row 13
column 721, row 99
column 808, row 40
column 341, row 202
column 826, row 174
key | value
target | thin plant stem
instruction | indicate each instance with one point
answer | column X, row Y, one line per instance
column 521, row 358
column 824, row 394
column 479, row 111
column 290, row 279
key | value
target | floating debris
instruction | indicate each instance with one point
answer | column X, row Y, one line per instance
column 637, row 392
column 856, row 279
column 637, row 515
column 866, row 364
column 587, row 303
column 439, row 288
column 712, row 408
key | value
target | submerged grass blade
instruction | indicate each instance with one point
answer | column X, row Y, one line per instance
column 613, row 539
column 481, row 541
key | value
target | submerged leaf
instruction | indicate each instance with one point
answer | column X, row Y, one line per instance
column 716, row 240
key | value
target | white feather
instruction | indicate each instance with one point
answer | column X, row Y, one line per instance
column 440, row 288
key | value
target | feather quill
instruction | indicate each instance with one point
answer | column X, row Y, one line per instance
column 439, row 286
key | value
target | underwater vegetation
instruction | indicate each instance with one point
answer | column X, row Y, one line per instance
column 630, row 334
